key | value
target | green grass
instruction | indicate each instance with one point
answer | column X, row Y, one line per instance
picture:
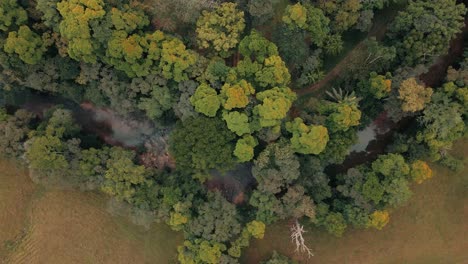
column 430, row 228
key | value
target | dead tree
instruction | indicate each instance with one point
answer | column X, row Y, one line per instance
column 296, row 236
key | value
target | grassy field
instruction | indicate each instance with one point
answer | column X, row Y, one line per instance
column 39, row 226
column 430, row 228
column 16, row 192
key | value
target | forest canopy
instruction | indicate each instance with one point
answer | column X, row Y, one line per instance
column 221, row 118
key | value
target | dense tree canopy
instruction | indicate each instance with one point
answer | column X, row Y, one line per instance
column 186, row 112
column 189, row 141
column 424, row 29
column 220, row 30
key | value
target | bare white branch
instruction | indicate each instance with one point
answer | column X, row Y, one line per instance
column 296, row 236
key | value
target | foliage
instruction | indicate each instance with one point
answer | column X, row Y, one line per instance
column 256, row 229
column 379, row 86
column 424, row 29
column 220, row 30
column 26, row 44
column 237, row 95
column 11, row 14
column 217, row 220
column 343, row 13
column 275, row 168
column 176, row 60
column 134, row 54
column 420, row 171
column 200, row 251
column 122, row 175
column 237, row 122
column 307, row 139
column 13, row 133
column 244, row 150
column 333, row 222
column 160, row 101
column 256, row 47
column 379, row 219
column 413, row 95
column 206, row 100
column 442, row 121
column 261, row 10
column 275, row 105
column 308, row 18
column 75, row 27
column 189, row 141
column 46, row 154
column 274, row 73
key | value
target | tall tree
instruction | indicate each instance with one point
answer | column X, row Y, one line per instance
column 220, row 30
column 413, row 95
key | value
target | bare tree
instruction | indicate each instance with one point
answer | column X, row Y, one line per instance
column 296, row 236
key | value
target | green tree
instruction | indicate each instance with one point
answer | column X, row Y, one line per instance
column 128, row 19
column 275, row 105
column 136, row 55
column 333, row 44
column 236, row 95
column 62, row 124
column 413, row 32
column 343, row 13
column 217, row 220
column 257, row 47
column 206, row 100
column 161, row 100
column 75, row 27
column 244, row 150
column 309, row 18
column 442, row 122
column 92, row 167
column 123, row 176
column 307, row 139
column 261, row 10
column 220, row 30
column 379, row 86
column 46, row 155
column 343, row 115
column 237, row 122
column 176, row 60
column 333, row 222
column 189, row 141
column 256, row 229
column 13, row 133
column 296, row 15
column 26, row 44
column 200, row 251
column 11, row 14
column 274, row 73
column 275, row 168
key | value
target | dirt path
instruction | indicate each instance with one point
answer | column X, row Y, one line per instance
column 377, row 31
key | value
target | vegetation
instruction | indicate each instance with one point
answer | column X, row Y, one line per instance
column 220, row 101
